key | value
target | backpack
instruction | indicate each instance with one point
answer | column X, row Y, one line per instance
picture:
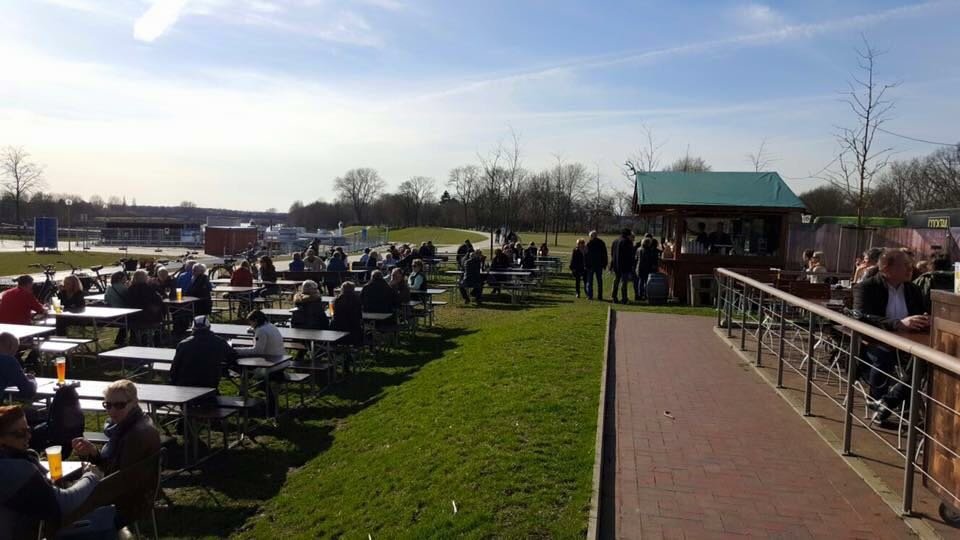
column 65, row 419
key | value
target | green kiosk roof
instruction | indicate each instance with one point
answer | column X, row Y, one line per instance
column 657, row 191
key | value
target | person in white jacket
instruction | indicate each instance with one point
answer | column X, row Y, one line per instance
column 267, row 341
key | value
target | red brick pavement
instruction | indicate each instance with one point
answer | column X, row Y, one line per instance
column 734, row 460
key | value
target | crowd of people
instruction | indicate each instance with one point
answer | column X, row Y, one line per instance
column 630, row 261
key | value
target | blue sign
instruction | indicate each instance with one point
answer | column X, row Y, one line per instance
column 45, row 233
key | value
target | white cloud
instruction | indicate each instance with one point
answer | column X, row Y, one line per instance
column 758, row 16
column 158, row 18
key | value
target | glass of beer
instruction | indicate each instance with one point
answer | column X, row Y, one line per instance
column 61, row 370
column 179, row 294
column 54, row 462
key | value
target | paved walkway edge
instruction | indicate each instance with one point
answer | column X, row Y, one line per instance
column 922, row 529
column 593, row 524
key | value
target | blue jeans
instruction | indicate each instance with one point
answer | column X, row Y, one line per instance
column 588, row 282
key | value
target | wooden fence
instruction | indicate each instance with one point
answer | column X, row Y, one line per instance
column 841, row 245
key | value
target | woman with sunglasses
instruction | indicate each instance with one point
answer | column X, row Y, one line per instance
column 132, row 438
column 26, row 495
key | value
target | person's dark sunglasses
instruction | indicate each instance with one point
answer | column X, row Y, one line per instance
column 115, row 405
column 18, row 434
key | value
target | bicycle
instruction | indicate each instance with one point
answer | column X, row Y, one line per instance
column 45, row 290
column 86, row 280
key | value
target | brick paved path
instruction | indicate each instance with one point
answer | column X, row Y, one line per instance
column 735, row 459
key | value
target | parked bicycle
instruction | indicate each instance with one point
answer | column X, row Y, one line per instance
column 45, row 290
column 87, row 282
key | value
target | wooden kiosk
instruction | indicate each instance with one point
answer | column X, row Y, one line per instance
column 716, row 219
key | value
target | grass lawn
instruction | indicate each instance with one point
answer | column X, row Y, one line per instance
column 494, row 409
column 14, row 263
column 415, row 235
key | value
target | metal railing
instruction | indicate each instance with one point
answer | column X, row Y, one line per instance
column 806, row 337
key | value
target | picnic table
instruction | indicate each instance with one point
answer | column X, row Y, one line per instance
column 140, row 355
column 153, row 396
column 26, row 331
column 97, row 317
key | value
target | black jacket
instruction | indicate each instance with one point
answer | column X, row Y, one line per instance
column 577, row 261
column 621, row 255
column 144, row 297
column 870, row 299
column 471, row 273
column 348, row 317
column 377, row 297
column 596, row 257
column 311, row 314
column 200, row 360
column 648, row 260
column 72, row 302
column 200, row 288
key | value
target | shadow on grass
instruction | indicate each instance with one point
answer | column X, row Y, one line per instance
column 230, row 488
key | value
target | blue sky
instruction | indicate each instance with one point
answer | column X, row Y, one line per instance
column 256, row 103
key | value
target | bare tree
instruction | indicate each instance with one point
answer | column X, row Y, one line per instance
column 359, row 188
column 647, row 158
column 503, row 178
column 762, row 159
column 689, row 163
column 20, row 176
column 859, row 160
column 418, row 190
column 465, row 182
column 115, row 201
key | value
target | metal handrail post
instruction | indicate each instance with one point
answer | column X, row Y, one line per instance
column 743, row 320
column 909, row 468
column 720, row 289
column 852, row 366
column 760, row 319
column 808, row 388
column 729, row 307
column 783, row 309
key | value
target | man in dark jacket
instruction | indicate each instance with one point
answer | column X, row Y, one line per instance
column 377, row 296
column 941, row 278
column 201, row 358
column 465, row 249
column 621, row 264
column 595, row 262
column 348, row 314
column 892, row 302
column 472, row 278
column 11, row 372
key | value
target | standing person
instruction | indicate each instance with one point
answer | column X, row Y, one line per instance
column 543, row 251
column 496, row 236
column 465, row 249
column 648, row 262
column 18, row 305
column 594, row 263
column 577, row 267
column 621, row 264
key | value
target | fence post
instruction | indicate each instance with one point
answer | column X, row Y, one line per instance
column 760, row 319
column 729, row 306
column 808, row 387
column 719, row 300
column 908, row 469
column 743, row 320
column 783, row 308
column 852, row 365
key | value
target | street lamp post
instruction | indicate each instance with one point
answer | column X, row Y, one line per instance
column 69, row 203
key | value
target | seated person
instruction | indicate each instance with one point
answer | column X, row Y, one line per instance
column 889, row 300
column 417, row 280
column 398, row 282
column 472, row 278
column 529, row 261
column 388, row 261
column 337, row 263
column 186, row 275
column 377, row 296
column 165, row 286
column 11, row 372
column 142, row 296
column 242, row 276
column 373, row 260
column 816, row 267
column 201, row 358
column 868, row 267
column 27, row 497
column 18, row 305
column 200, row 288
column 268, row 272
column 940, row 277
column 296, row 265
column 267, row 340
column 71, row 299
column 348, row 314
column 311, row 309
column 364, row 257
column 116, row 297
column 131, row 439
column 543, row 251
column 312, row 263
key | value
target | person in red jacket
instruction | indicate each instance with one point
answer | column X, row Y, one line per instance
column 18, row 305
column 242, row 276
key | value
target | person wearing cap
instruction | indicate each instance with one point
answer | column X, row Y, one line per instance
column 201, row 358
column 311, row 312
